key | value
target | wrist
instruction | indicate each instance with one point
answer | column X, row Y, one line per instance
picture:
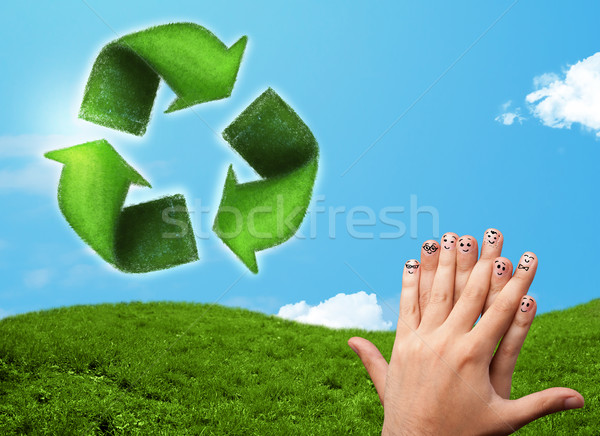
column 393, row 427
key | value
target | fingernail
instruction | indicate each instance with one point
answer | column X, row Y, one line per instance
column 573, row 403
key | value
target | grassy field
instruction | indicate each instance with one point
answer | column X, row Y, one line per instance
column 178, row 368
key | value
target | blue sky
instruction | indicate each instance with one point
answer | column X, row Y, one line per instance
column 434, row 79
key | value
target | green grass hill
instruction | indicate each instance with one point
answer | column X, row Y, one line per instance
column 181, row 368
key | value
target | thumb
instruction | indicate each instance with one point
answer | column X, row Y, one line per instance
column 373, row 361
column 534, row 406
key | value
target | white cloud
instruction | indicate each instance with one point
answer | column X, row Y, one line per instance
column 4, row 313
column 544, row 80
column 559, row 103
column 35, row 145
column 82, row 274
column 358, row 310
column 24, row 167
column 509, row 117
column 37, row 278
column 37, row 177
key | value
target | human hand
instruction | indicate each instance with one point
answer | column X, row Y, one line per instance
column 466, row 251
column 444, row 376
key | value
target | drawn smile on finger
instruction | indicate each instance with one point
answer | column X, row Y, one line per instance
column 430, row 248
column 450, row 240
column 526, row 304
column 491, row 236
column 527, row 258
column 465, row 244
column 500, row 267
column 411, row 268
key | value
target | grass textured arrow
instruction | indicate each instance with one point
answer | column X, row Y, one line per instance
column 122, row 86
column 140, row 238
column 275, row 141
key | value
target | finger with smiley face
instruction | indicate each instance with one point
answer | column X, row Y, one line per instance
column 496, row 320
column 430, row 254
column 409, row 296
column 492, row 244
column 449, row 241
column 527, row 304
column 527, row 263
column 411, row 267
column 441, row 298
column 468, row 310
column 505, row 358
column 491, row 236
column 501, row 274
column 466, row 258
column 502, row 268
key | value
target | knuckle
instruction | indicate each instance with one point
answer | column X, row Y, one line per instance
column 471, row 352
column 448, row 260
column 502, row 306
column 521, row 279
column 522, row 321
column 471, row 294
column 439, row 298
column 543, row 405
column 508, row 351
column 464, row 267
column 414, row 349
column 429, row 266
column 439, row 348
column 408, row 310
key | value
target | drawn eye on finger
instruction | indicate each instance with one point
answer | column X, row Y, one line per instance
column 448, row 241
column 491, row 237
column 411, row 266
column 526, row 304
column 526, row 262
column 430, row 248
column 499, row 268
column 465, row 244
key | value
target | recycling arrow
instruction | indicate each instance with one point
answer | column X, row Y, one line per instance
column 274, row 141
column 120, row 93
column 140, row 238
column 122, row 86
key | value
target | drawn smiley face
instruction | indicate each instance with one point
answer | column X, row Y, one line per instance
column 526, row 304
column 430, row 248
column 411, row 266
column 465, row 244
column 491, row 237
column 499, row 267
column 527, row 258
column 448, row 241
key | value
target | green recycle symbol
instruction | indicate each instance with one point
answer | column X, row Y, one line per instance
column 120, row 93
